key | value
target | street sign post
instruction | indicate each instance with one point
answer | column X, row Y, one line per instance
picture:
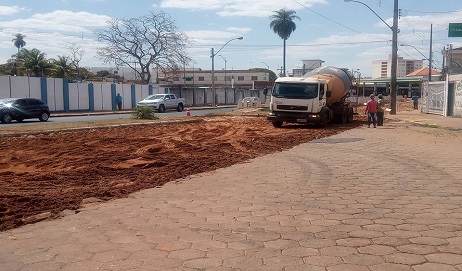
column 455, row 30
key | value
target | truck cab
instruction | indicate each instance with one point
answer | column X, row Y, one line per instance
column 297, row 100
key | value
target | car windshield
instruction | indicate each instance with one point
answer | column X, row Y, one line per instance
column 6, row 101
column 295, row 90
column 155, row 97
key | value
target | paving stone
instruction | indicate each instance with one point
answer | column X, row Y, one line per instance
column 347, row 267
column 404, row 258
column 377, row 250
column 446, row 258
column 337, row 251
column 417, row 249
column 434, row 267
column 187, row 254
column 323, row 260
column 353, row 242
column 363, row 259
column 431, row 241
column 390, row 267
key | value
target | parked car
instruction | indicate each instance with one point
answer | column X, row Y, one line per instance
column 20, row 109
column 161, row 102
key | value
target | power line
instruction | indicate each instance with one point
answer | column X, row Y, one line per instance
column 329, row 19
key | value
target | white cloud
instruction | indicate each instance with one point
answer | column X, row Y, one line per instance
column 9, row 10
column 60, row 20
column 228, row 8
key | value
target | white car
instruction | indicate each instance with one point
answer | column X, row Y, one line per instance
column 162, row 102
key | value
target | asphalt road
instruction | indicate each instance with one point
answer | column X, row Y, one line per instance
column 83, row 117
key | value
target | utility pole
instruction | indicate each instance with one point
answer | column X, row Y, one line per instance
column 394, row 59
column 280, row 71
column 430, row 58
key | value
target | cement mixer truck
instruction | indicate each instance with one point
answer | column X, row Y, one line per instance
column 319, row 97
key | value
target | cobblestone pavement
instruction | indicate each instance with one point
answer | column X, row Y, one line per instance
column 366, row 199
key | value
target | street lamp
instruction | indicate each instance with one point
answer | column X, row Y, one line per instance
column 267, row 67
column 224, row 58
column 213, row 68
column 394, row 50
column 426, row 58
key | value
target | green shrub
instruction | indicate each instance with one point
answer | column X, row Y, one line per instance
column 144, row 112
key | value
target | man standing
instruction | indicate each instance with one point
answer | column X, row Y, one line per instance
column 380, row 110
column 415, row 99
column 119, row 101
column 371, row 111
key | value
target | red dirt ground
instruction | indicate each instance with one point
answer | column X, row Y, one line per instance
column 42, row 175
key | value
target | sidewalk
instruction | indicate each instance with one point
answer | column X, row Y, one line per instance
column 429, row 120
column 332, row 204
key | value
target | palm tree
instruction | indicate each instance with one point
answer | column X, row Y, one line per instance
column 35, row 61
column 283, row 24
column 62, row 67
column 19, row 41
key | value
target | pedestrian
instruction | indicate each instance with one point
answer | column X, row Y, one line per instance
column 119, row 101
column 380, row 110
column 415, row 99
column 371, row 111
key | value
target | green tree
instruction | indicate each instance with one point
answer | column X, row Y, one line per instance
column 144, row 43
column 19, row 41
column 272, row 75
column 34, row 61
column 62, row 67
column 283, row 24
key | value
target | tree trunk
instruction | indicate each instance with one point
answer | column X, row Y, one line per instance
column 284, row 59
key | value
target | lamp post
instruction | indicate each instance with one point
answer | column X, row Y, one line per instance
column 224, row 58
column 213, row 68
column 426, row 58
column 267, row 67
column 358, row 84
column 394, row 50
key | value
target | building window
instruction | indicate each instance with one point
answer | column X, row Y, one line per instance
column 176, row 78
column 201, row 78
column 254, row 78
column 240, row 78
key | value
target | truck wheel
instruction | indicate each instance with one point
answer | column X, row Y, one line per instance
column 350, row 115
column 344, row 117
column 161, row 108
column 180, row 107
column 277, row 124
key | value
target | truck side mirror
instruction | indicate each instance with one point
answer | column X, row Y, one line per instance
column 328, row 94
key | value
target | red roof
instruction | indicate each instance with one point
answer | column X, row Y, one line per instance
column 423, row 72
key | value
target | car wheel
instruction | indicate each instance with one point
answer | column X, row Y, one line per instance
column 7, row 118
column 161, row 108
column 180, row 108
column 44, row 116
column 277, row 124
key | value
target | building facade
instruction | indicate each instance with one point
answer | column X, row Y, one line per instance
column 452, row 59
column 382, row 68
column 307, row 66
column 224, row 79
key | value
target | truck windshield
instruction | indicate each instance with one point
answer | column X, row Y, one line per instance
column 155, row 97
column 295, row 90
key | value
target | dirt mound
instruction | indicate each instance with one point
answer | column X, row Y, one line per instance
column 48, row 173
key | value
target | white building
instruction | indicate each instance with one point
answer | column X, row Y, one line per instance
column 382, row 68
column 307, row 66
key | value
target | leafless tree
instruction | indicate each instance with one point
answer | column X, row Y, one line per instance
column 76, row 54
column 144, row 43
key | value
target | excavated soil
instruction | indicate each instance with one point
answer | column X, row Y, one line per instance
column 43, row 174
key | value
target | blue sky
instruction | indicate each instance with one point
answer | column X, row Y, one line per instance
column 341, row 34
